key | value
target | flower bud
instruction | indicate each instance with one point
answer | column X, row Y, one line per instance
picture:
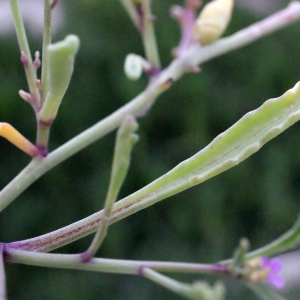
column 16, row 138
column 213, row 21
column 133, row 66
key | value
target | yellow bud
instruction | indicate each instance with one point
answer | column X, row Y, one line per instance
column 213, row 21
column 11, row 134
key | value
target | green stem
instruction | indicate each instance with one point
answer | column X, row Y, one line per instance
column 24, row 47
column 288, row 241
column 148, row 36
column 143, row 21
column 39, row 167
column 167, row 282
column 42, row 140
column 130, row 8
column 43, row 130
column 46, row 42
column 73, row 261
column 177, row 68
column 124, row 143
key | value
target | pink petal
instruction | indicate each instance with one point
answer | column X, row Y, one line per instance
column 275, row 265
column 276, row 281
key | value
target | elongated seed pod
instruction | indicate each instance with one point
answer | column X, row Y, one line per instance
column 213, row 21
column 61, row 56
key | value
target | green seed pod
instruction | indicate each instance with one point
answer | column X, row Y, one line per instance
column 60, row 60
column 213, row 21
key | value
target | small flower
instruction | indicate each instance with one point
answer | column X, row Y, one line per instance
column 266, row 269
column 273, row 266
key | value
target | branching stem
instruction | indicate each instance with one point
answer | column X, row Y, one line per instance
column 178, row 67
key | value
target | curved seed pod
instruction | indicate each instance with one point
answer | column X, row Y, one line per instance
column 213, row 21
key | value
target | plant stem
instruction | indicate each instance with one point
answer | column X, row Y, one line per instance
column 167, row 282
column 194, row 56
column 46, row 42
column 73, row 261
column 288, row 241
column 148, row 36
column 130, row 8
column 122, row 153
column 24, row 47
column 2, row 276
column 43, row 129
column 39, row 167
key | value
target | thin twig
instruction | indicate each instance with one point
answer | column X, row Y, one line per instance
column 73, row 261
column 25, row 54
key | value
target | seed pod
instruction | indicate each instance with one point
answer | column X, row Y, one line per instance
column 213, row 21
column 60, row 57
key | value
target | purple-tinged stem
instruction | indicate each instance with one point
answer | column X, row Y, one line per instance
column 73, row 261
column 2, row 275
column 54, row 3
column 186, row 18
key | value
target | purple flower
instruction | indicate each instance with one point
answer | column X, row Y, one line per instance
column 272, row 267
column 265, row 269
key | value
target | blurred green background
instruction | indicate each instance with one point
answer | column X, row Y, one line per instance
column 259, row 199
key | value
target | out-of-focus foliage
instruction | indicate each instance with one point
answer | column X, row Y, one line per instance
column 257, row 199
